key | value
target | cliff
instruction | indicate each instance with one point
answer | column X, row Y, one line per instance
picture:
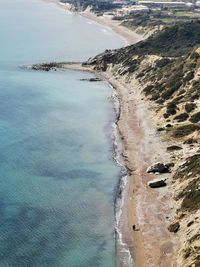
column 167, row 67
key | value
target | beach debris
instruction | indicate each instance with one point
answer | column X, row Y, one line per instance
column 159, row 167
column 156, row 183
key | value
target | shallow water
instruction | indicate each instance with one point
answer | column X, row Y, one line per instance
column 57, row 176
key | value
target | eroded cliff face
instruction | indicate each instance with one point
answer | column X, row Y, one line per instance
column 167, row 67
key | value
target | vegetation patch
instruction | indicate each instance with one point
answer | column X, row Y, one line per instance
column 191, row 196
column 192, row 165
column 189, row 107
column 195, row 117
column 187, row 252
column 181, row 117
column 194, row 238
column 184, row 130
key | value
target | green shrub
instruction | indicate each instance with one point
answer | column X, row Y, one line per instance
column 189, row 76
column 192, row 165
column 181, row 117
column 189, row 107
column 184, row 130
column 191, row 201
column 162, row 62
column 195, row 117
column 148, row 89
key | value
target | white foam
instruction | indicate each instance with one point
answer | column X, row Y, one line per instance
column 125, row 255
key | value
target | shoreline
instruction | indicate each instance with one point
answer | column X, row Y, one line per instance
column 150, row 210
column 142, row 206
column 130, row 36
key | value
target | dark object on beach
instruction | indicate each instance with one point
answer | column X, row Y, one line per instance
column 173, row 147
column 174, row 227
column 91, row 80
column 135, row 228
column 159, row 167
column 168, row 125
column 160, row 129
column 157, row 183
column 190, row 223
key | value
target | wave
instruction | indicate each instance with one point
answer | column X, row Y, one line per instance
column 123, row 250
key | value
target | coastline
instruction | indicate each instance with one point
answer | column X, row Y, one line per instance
column 143, row 207
column 138, row 146
column 130, row 36
column 147, row 209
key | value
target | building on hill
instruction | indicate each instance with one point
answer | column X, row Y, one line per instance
column 135, row 9
column 167, row 4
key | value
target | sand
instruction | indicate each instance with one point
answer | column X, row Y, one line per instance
column 149, row 209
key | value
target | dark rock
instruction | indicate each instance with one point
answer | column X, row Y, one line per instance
column 91, row 80
column 190, row 223
column 174, row 227
column 135, row 228
column 173, row 147
column 157, row 183
column 159, row 167
column 190, row 141
column 160, row 129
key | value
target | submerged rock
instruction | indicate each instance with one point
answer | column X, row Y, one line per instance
column 156, row 183
column 159, row 167
column 91, row 80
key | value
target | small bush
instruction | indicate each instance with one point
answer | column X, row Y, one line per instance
column 148, row 89
column 162, row 62
column 181, row 117
column 184, row 130
column 191, row 201
column 189, row 76
column 187, row 252
column 192, row 165
column 189, row 107
column 195, row 118
column 155, row 96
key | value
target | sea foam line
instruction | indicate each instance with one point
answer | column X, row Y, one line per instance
column 125, row 255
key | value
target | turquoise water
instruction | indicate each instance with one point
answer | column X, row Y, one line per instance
column 57, row 176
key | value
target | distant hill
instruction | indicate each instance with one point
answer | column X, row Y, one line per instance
column 173, row 41
column 95, row 5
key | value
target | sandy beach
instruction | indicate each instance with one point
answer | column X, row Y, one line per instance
column 151, row 245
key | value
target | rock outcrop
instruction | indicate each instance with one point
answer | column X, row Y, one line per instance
column 159, row 168
column 167, row 68
column 156, row 183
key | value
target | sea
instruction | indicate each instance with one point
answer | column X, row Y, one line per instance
column 58, row 178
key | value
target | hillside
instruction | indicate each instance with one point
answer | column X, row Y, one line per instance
column 167, row 67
